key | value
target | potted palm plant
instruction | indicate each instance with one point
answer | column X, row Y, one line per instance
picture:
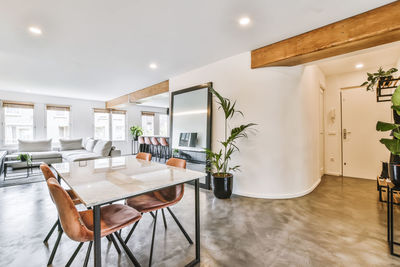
column 219, row 161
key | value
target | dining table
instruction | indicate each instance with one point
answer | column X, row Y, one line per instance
column 102, row 181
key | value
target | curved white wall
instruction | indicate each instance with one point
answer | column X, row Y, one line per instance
column 280, row 160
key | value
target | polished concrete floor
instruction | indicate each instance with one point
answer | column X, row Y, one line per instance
column 341, row 223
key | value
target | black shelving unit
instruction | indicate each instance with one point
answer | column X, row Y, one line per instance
column 385, row 88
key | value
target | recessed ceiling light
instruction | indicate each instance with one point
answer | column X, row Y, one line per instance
column 153, row 66
column 359, row 65
column 244, row 21
column 35, row 30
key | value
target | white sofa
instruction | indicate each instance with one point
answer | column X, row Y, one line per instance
column 70, row 150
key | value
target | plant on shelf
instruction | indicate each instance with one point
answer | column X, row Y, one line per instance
column 393, row 144
column 25, row 158
column 175, row 153
column 219, row 161
column 379, row 76
column 136, row 131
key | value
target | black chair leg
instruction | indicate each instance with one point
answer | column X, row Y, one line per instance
column 53, row 252
column 115, row 244
column 127, row 250
column 88, row 254
column 51, row 232
column 131, row 232
column 108, row 238
column 152, row 239
column 152, row 214
column 74, row 255
column 165, row 221
column 180, row 226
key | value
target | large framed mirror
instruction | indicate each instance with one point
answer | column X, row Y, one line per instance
column 190, row 131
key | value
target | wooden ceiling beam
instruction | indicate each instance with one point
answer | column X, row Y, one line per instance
column 375, row 27
column 155, row 89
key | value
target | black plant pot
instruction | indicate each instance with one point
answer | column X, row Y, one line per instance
column 394, row 173
column 222, row 185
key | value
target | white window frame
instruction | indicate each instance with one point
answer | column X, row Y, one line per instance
column 3, row 123
column 69, row 123
column 110, row 112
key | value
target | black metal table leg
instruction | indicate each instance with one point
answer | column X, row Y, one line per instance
column 197, row 222
column 96, row 232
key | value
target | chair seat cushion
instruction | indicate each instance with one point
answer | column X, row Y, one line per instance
column 112, row 217
column 156, row 200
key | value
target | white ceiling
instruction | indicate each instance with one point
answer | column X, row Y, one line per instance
column 101, row 49
column 372, row 58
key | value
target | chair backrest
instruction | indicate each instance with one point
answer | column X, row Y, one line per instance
column 175, row 192
column 180, row 163
column 163, row 141
column 154, row 141
column 143, row 156
column 141, row 140
column 69, row 216
column 47, row 173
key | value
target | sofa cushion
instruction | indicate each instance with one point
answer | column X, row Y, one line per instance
column 67, row 153
column 45, row 155
column 70, row 144
column 34, row 146
column 81, row 156
column 90, row 143
column 102, row 148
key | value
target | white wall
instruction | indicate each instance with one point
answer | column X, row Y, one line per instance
column 134, row 113
column 333, row 152
column 81, row 116
column 281, row 159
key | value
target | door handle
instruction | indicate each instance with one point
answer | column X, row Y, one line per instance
column 345, row 133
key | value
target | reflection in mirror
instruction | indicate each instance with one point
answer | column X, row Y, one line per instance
column 191, row 127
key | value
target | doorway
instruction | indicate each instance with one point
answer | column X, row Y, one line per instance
column 362, row 153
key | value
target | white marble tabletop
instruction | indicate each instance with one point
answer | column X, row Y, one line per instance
column 104, row 180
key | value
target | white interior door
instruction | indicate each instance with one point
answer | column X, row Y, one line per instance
column 362, row 152
column 321, row 133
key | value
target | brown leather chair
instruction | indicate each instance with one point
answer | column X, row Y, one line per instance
column 157, row 200
column 47, row 173
column 78, row 225
column 143, row 156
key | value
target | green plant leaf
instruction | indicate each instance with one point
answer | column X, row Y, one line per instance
column 393, row 145
column 396, row 134
column 384, row 126
column 396, row 98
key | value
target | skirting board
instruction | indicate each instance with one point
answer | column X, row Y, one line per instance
column 283, row 196
column 333, row 173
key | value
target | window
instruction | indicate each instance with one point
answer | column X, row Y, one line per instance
column 148, row 123
column 57, row 122
column 118, row 125
column 164, row 124
column 18, row 122
column 102, row 124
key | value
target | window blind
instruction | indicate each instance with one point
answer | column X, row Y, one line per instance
column 12, row 104
column 147, row 113
column 101, row 110
column 57, row 107
column 117, row 111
